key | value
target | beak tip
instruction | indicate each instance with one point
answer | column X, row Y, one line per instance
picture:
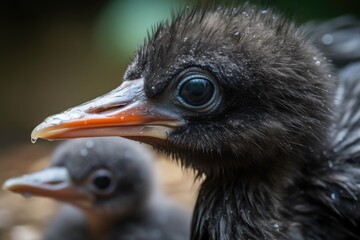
column 44, row 130
column 34, row 135
column 39, row 130
column 8, row 184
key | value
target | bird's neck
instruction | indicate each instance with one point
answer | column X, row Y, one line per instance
column 98, row 224
column 236, row 209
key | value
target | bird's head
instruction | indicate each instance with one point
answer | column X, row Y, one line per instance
column 220, row 88
column 108, row 177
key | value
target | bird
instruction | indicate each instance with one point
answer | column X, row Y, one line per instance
column 245, row 98
column 110, row 190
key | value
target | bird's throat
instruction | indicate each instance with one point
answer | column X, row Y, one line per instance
column 236, row 210
column 98, row 223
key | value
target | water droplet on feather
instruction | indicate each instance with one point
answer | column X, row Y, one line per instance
column 89, row 144
column 333, row 196
column 84, row 152
column 327, row 39
column 330, row 164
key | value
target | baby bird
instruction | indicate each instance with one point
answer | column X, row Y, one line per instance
column 111, row 186
column 242, row 96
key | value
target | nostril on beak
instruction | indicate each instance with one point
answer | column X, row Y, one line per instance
column 55, row 182
column 106, row 109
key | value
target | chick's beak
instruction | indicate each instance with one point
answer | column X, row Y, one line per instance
column 124, row 112
column 52, row 182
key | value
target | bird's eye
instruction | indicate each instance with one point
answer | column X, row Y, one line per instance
column 102, row 182
column 197, row 91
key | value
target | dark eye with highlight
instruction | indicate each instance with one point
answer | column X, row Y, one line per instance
column 198, row 91
column 102, row 182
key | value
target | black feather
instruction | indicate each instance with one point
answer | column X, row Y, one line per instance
column 280, row 152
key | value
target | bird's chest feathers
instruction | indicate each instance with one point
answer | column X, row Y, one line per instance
column 235, row 211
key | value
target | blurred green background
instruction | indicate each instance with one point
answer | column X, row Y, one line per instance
column 58, row 53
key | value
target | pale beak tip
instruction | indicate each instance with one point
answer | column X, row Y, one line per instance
column 8, row 184
column 36, row 133
column 42, row 131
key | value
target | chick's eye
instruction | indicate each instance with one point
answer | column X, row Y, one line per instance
column 197, row 91
column 102, row 182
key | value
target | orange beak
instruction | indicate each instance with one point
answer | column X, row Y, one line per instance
column 51, row 182
column 125, row 112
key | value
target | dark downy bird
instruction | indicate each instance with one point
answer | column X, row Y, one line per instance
column 244, row 98
column 112, row 186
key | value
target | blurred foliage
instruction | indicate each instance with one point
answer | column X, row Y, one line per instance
column 58, row 53
column 122, row 25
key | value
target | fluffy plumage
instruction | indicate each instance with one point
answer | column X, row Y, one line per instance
column 135, row 209
column 272, row 87
column 268, row 150
column 277, row 144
